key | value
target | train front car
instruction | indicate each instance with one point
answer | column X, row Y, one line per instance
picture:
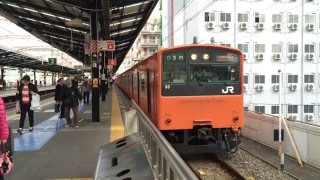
column 200, row 106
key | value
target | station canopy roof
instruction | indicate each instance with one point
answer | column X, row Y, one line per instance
column 50, row 20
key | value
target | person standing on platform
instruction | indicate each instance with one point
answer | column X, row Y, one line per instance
column 86, row 90
column 71, row 96
column 58, row 97
column 4, row 128
column 24, row 96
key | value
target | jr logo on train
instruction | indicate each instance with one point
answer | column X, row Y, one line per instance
column 193, row 94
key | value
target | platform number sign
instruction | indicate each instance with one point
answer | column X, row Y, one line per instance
column 52, row 61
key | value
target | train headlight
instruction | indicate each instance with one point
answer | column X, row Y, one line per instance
column 194, row 56
column 168, row 121
column 206, row 57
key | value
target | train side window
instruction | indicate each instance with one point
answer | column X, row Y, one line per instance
column 142, row 82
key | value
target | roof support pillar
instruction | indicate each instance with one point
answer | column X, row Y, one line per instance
column 95, row 70
column 105, row 32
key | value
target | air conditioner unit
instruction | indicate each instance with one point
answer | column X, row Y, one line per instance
column 293, row 117
column 277, row 56
column 277, row 26
column 309, row 117
column 293, row 56
column 310, row 27
column 310, row 56
column 210, row 25
column 260, row 56
column 225, row 25
column 243, row 25
column 260, row 26
column 259, row 88
column 310, row 87
column 293, row 87
column 276, row 87
column 245, row 56
column 294, row 26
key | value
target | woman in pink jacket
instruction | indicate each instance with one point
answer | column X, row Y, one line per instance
column 4, row 129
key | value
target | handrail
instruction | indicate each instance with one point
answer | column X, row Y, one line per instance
column 165, row 161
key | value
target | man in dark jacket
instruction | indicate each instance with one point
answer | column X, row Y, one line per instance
column 24, row 96
column 58, row 97
column 71, row 96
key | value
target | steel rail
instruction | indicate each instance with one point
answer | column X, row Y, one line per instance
column 166, row 163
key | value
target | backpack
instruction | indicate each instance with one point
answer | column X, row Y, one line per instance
column 72, row 99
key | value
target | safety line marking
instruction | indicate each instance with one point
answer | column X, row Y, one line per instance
column 116, row 128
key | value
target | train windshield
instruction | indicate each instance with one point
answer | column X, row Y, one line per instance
column 213, row 74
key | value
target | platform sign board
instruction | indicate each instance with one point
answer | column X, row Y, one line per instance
column 110, row 67
column 112, row 62
column 52, row 61
column 95, row 82
column 86, row 48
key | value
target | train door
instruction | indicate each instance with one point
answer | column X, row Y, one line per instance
column 138, row 81
column 149, row 91
column 132, row 86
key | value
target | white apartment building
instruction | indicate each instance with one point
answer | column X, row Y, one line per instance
column 146, row 44
column 273, row 34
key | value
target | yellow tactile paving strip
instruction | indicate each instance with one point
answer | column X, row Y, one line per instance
column 116, row 128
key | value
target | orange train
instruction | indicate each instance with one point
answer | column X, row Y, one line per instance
column 193, row 94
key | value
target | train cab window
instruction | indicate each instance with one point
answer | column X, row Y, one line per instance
column 174, row 68
column 214, row 74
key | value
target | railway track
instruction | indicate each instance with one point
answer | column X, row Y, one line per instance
column 210, row 167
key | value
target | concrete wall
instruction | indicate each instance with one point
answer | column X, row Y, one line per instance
column 259, row 127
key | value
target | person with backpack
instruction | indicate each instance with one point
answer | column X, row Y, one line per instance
column 70, row 97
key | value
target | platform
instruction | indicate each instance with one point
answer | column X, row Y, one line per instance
column 64, row 153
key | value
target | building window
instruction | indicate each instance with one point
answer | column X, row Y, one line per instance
column 308, row 108
column 309, row 78
column 309, row 48
column 276, row 18
column 225, row 17
column 292, row 109
column 293, row 18
column 274, row 109
column 309, row 19
column 145, row 38
column 152, row 39
column 243, row 17
column 259, row 79
column 293, row 48
column 246, row 79
column 260, row 109
column 274, row 79
column 145, row 51
column 259, row 48
column 292, row 78
column 151, row 27
column 223, row 44
column 259, row 18
column 209, row 17
column 243, row 47
column 276, row 48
